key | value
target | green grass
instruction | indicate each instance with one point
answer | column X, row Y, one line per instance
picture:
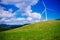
column 49, row 30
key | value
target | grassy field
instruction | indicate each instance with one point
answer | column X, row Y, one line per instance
column 49, row 30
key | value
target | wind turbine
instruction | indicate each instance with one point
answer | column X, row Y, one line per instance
column 45, row 10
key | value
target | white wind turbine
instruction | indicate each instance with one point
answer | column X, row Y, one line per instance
column 45, row 10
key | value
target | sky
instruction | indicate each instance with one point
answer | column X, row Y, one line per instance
column 19, row 12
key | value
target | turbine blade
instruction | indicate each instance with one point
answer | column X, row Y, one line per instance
column 43, row 4
column 50, row 9
column 43, row 12
column 45, row 9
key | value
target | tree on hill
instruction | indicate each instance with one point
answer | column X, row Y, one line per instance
column 0, row 28
column 57, row 19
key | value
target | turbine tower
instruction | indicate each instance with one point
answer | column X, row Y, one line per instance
column 45, row 10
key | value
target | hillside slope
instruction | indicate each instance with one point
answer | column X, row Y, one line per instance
column 49, row 30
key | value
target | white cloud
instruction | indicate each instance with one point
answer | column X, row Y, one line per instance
column 29, row 19
column 31, row 14
column 14, row 19
column 6, row 14
column 24, row 9
column 29, row 2
column 10, row 10
column 2, row 20
column 22, row 4
column 17, row 21
column 36, row 15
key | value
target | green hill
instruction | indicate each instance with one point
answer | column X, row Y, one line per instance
column 49, row 30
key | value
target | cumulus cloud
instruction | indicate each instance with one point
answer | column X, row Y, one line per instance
column 36, row 15
column 22, row 4
column 6, row 14
column 17, row 21
column 29, row 19
column 24, row 9
column 29, row 2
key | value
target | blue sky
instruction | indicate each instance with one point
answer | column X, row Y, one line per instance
column 53, row 8
column 28, row 11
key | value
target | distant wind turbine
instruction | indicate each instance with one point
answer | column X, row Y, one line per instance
column 45, row 10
